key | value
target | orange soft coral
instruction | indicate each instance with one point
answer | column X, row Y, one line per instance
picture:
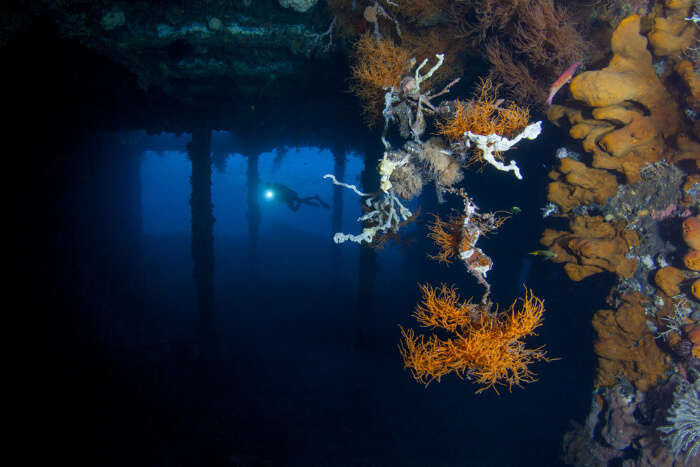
column 455, row 126
column 447, row 236
column 442, row 308
column 485, row 116
column 378, row 66
column 457, row 238
column 486, row 346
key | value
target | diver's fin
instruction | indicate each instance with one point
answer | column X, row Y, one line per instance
column 314, row 198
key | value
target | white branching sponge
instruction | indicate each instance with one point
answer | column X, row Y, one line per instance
column 385, row 213
column 491, row 144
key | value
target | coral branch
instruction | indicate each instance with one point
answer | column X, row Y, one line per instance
column 457, row 238
column 484, row 346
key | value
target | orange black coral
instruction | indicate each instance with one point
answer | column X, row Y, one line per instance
column 483, row 345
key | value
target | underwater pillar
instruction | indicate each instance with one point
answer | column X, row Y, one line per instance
column 368, row 256
column 199, row 151
column 337, row 215
column 253, row 221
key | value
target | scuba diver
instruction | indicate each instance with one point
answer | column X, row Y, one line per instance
column 284, row 194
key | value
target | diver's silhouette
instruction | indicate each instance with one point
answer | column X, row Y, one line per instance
column 284, row 194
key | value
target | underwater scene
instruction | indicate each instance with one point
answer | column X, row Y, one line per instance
column 353, row 232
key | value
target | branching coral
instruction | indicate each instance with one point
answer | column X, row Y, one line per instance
column 447, row 235
column 402, row 171
column 381, row 57
column 528, row 42
column 489, row 346
column 457, row 238
column 408, row 102
column 426, row 41
column 483, row 128
column 379, row 65
column 486, row 346
column 421, row 26
column 485, row 115
column 384, row 214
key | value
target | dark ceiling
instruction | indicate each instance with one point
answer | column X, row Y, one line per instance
column 260, row 70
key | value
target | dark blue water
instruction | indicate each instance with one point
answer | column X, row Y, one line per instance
column 300, row 375
column 302, row 366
